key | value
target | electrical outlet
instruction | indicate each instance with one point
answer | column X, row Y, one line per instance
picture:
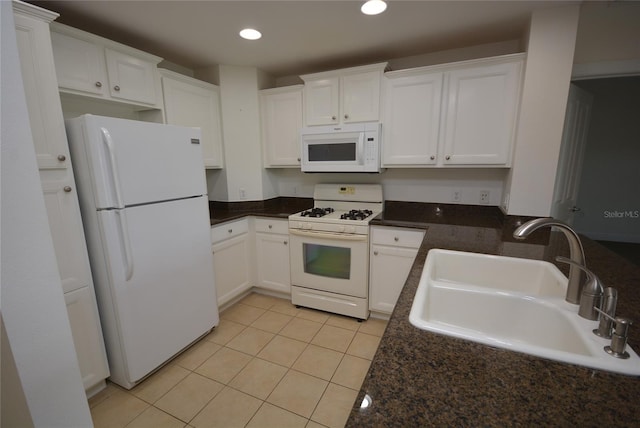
column 485, row 197
column 456, row 195
column 243, row 193
column 295, row 190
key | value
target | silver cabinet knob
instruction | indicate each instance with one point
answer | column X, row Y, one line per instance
column 346, row 116
column 432, row 157
column 230, row 230
column 285, row 242
column 116, row 88
column 447, row 157
column 98, row 84
column 375, row 253
column 396, row 239
column 62, row 158
column 67, row 189
column 333, row 118
column 298, row 159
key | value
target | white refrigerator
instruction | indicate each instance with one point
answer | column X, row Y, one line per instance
column 144, row 206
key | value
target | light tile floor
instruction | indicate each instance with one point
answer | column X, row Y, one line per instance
column 268, row 364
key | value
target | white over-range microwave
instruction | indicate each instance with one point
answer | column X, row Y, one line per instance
column 353, row 147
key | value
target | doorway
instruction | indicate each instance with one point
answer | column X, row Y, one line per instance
column 608, row 198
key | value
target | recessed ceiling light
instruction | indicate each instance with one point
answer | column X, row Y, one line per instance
column 250, row 34
column 373, row 7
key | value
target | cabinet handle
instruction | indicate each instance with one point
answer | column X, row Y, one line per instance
column 375, row 253
column 270, row 227
column 230, row 230
column 285, row 242
column 98, row 84
column 333, row 118
column 62, row 158
column 116, row 88
column 447, row 157
column 395, row 238
column 346, row 116
column 67, row 189
column 432, row 157
column 298, row 159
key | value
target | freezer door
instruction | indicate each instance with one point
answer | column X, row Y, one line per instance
column 131, row 162
column 161, row 280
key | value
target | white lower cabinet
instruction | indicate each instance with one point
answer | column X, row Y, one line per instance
column 83, row 317
column 393, row 251
column 272, row 255
column 231, row 259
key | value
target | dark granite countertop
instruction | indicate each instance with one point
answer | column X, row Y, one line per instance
column 418, row 378
column 281, row 207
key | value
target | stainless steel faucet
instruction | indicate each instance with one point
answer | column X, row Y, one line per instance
column 576, row 253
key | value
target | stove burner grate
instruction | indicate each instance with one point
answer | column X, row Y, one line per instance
column 316, row 212
column 356, row 215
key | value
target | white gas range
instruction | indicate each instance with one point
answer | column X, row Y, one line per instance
column 329, row 249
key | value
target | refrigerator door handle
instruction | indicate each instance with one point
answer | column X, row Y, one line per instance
column 108, row 141
column 125, row 243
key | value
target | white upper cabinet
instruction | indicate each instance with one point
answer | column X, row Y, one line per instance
column 481, row 114
column 411, row 118
column 461, row 114
column 191, row 102
column 131, row 78
column 43, row 100
column 343, row 96
column 91, row 66
column 281, row 120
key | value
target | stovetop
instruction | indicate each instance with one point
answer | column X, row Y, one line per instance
column 340, row 209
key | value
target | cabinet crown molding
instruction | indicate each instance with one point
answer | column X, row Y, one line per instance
column 34, row 11
column 458, row 64
column 345, row 71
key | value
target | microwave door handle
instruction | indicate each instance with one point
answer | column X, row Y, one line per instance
column 361, row 136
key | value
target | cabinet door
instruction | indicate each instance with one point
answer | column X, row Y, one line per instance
column 281, row 122
column 390, row 267
column 87, row 336
column 481, row 114
column 231, row 267
column 411, row 120
column 131, row 78
column 272, row 252
column 321, row 101
column 79, row 64
column 196, row 106
column 360, row 97
column 41, row 91
column 63, row 212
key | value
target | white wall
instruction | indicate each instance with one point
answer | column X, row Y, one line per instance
column 413, row 185
column 551, row 42
column 243, row 177
column 33, row 307
column 608, row 195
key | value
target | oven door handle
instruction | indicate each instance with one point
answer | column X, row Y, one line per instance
column 328, row 235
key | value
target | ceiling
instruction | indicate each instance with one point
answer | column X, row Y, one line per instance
column 298, row 36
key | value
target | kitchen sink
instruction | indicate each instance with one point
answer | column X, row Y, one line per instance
column 511, row 303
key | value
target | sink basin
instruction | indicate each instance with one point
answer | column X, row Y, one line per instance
column 511, row 303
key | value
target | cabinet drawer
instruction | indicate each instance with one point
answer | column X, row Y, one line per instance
column 270, row 225
column 399, row 237
column 228, row 230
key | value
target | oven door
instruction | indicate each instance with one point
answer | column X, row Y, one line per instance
column 331, row 262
